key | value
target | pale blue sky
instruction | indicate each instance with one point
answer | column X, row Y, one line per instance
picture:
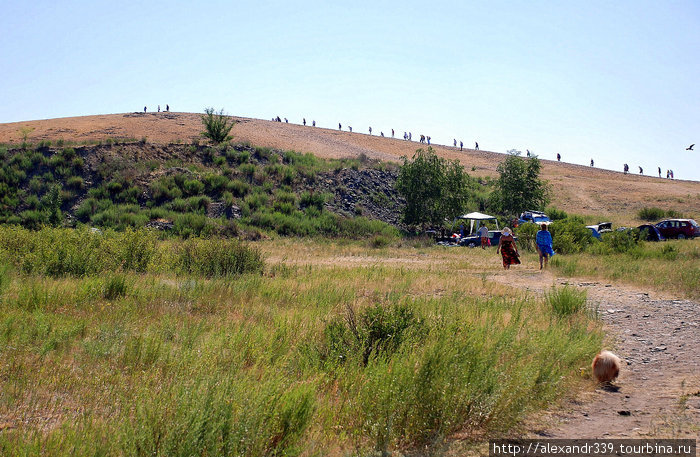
column 616, row 81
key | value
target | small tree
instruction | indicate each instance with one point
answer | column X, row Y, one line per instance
column 434, row 188
column 519, row 187
column 217, row 125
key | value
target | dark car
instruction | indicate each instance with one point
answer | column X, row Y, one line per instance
column 651, row 233
column 473, row 241
column 679, row 228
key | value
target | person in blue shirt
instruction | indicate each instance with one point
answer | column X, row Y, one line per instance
column 544, row 245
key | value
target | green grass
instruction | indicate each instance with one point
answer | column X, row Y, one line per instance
column 672, row 266
column 174, row 356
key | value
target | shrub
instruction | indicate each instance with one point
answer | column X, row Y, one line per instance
column 556, row 214
column 189, row 224
column 256, row 201
column 379, row 241
column 199, row 204
column 570, row 235
column 565, row 301
column 193, row 187
column 75, row 182
column 378, row 332
column 621, row 241
column 312, row 199
column 33, row 219
column 217, row 125
column 669, row 252
column 216, row 258
column 115, row 287
column 238, row 188
column 248, row 169
column 215, row 183
column 526, row 236
column 650, row 214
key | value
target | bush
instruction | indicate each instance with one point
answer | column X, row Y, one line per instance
column 378, row 332
column 570, row 235
column 238, row 188
column 651, row 214
column 216, row 258
column 312, row 199
column 115, row 287
column 556, row 214
column 189, row 224
column 526, row 234
column 193, row 187
column 566, row 301
column 217, row 125
column 75, row 182
column 621, row 241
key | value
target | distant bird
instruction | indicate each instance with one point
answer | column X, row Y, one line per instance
column 690, row 148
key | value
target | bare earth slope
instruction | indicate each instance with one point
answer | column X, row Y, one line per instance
column 578, row 189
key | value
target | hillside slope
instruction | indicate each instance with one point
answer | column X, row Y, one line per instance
column 577, row 188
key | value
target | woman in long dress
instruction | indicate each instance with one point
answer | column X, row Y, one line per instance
column 508, row 249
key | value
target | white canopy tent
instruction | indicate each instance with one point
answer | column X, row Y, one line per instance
column 478, row 218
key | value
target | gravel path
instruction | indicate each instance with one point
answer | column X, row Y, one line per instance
column 658, row 392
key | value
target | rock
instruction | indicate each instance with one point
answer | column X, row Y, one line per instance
column 624, row 412
column 160, row 224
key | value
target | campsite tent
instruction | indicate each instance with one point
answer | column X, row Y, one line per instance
column 479, row 218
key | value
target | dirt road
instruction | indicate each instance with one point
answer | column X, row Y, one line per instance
column 658, row 392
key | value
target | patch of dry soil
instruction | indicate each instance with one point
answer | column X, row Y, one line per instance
column 658, row 391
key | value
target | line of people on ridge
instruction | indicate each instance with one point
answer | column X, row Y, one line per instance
column 626, row 169
column 408, row 136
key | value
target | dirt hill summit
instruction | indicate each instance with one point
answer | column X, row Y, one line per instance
column 578, row 189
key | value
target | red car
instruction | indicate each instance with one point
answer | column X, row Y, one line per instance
column 679, row 228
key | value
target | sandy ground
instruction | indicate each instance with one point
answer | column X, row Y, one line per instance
column 579, row 189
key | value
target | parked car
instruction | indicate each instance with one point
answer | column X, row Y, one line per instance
column 473, row 241
column 679, row 228
column 594, row 231
column 652, row 233
column 536, row 217
column 598, row 229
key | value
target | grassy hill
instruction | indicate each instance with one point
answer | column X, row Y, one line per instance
column 577, row 189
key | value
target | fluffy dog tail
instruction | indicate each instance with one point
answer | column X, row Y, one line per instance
column 606, row 367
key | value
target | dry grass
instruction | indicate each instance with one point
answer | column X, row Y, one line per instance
column 136, row 373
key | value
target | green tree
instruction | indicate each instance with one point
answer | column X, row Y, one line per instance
column 519, row 186
column 434, row 188
column 217, row 125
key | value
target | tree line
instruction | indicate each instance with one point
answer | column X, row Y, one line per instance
column 438, row 190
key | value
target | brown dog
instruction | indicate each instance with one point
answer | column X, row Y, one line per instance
column 606, row 367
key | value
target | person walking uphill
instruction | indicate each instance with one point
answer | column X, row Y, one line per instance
column 544, row 244
column 483, row 233
column 508, row 249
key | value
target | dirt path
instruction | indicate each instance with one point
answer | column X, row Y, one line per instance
column 658, row 391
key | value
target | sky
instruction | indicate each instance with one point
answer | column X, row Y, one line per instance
column 613, row 81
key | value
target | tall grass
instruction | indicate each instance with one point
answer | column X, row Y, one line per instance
column 303, row 360
column 82, row 252
column 673, row 266
column 565, row 301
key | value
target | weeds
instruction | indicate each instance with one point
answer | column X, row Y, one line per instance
column 565, row 301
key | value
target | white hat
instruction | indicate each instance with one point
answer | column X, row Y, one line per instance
column 506, row 231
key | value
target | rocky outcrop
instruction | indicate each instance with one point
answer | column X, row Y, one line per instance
column 365, row 192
